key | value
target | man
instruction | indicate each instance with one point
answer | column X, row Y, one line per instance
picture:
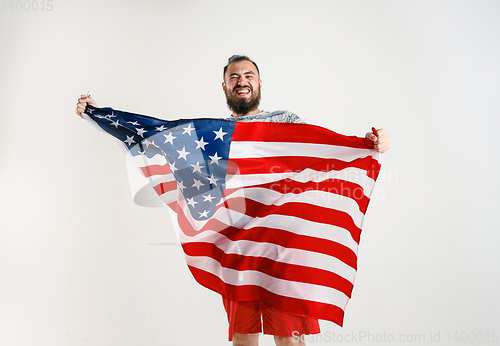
column 242, row 87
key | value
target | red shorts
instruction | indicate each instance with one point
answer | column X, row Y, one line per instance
column 245, row 318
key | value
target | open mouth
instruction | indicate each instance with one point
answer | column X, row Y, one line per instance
column 242, row 91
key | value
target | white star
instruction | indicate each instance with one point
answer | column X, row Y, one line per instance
column 115, row 124
column 215, row 159
column 208, row 198
column 197, row 184
column 172, row 167
column 146, row 143
column 161, row 128
column 130, row 140
column 135, row 123
column 212, row 180
column 169, row 138
column 197, row 167
column 141, row 131
column 183, row 153
column 188, row 129
column 204, row 214
column 201, row 144
column 181, row 186
column 192, row 202
column 220, row 134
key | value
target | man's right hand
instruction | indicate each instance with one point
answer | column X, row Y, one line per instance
column 82, row 104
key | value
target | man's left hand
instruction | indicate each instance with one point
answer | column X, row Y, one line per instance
column 380, row 140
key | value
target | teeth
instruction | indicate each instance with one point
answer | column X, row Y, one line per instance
column 245, row 91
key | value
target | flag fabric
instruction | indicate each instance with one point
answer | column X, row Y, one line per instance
column 269, row 212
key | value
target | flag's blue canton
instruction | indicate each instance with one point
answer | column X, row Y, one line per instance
column 196, row 150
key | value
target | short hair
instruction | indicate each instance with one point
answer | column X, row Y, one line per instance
column 238, row 58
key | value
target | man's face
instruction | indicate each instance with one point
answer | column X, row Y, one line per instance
column 242, row 87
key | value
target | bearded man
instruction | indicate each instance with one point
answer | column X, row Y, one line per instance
column 242, row 87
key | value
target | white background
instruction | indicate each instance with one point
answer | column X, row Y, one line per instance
column 81, row 264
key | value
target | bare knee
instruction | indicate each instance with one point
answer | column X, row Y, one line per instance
column 288, row 341
column 245, row 339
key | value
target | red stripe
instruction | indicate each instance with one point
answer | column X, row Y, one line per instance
column 373, row 170
column 282, row 164
column 289, row 305
column 298, row 133
column 165, row 187
column 336, row 187
column 153, row 170
column 290, row 164
column 285, row 271
column 173, row 206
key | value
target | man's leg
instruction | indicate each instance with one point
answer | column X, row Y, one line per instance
column 288, row 341
column 245, row 339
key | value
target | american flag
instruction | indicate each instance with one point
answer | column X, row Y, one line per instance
column 269, row 212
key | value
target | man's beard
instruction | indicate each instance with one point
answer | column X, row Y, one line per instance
column 242, row 106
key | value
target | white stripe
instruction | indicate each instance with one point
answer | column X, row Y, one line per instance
column 308, row 228
column 143, row 160
column 158, row 179
column 240, row 150
column 274, row 252
column 169, row 197
column 281, row 287
column 317, row 198
column 354, row 175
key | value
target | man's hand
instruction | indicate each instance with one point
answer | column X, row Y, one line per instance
column 380, row 140
column 82, row 104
